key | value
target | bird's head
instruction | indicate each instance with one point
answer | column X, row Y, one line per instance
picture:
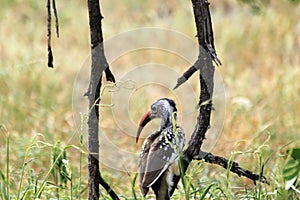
column 161, row 108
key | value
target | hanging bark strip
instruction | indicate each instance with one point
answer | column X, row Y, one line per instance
column 56, row 18
column 204, row 64
column 50, row 54
column 99, row 64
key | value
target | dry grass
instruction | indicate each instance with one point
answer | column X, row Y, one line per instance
column 260, row 73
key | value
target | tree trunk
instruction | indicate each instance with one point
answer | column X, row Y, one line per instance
column 99, row 64
column 206, row 79
column 93, row 94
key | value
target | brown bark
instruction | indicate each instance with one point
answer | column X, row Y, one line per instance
column 99, row 64
column 204, row 64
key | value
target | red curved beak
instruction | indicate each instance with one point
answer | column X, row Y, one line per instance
column 147, row 118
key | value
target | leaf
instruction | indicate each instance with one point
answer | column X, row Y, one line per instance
column 3, row 186
column 289, row 183
column 291, row 170
column 294, row 1
column 2, row 176
column 295, row 153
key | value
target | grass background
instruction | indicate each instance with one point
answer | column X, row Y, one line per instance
column 261, row 66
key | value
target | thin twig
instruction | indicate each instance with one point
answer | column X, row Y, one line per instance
column 50, row 55
column 186, row 75
column 234, row 166
column 205, row 39
column 56, row 18
column 109, row 76
column 108, row 189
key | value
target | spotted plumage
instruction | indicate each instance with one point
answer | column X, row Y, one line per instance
column 160, row 150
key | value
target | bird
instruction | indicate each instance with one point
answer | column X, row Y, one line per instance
column 158, row 161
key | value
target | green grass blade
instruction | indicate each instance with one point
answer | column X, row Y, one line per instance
column 24, row 166
column 133, row 186
column 3, row 186
column 40, row 189
column 206, row 191
column 7, row 168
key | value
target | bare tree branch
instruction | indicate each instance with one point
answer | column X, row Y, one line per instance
column 204, row 64
column 48, row 6
column 56, row 18
column 205, row 39
column 228, row 164
column 186, row 75
column 50, row 55
column 99, row 64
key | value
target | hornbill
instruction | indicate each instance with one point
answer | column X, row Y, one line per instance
column 161, row 150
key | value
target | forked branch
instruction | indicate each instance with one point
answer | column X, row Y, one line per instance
column 99, row 64
column 204, row 63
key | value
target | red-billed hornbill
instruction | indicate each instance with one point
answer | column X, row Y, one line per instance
column 161, row 150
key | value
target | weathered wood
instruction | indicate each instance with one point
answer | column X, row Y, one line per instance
column 204, row 64
column 231, row 165
column 99, row 64
column 50, row 55
column 48, row 6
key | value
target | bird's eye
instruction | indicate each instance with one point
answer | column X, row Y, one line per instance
column 153, row 108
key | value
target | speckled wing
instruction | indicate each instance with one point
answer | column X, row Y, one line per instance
column 162, row 153
column 144, row 157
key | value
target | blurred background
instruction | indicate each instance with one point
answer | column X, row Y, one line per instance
column 257, row 87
